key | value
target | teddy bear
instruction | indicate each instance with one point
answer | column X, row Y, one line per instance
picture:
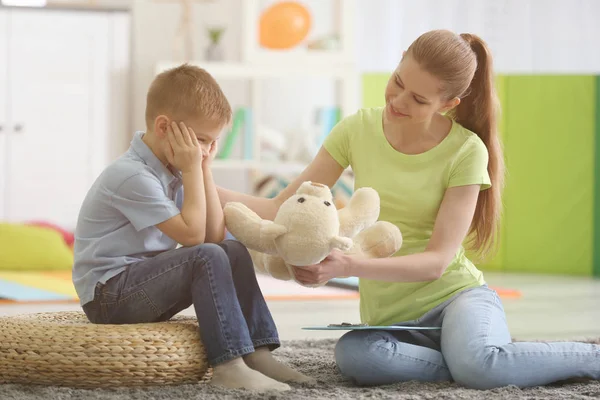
column 307, row 227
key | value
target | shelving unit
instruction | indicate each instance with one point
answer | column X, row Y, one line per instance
column 345, row 75
column 343, row 23
column 259, row 65
column 266, row 167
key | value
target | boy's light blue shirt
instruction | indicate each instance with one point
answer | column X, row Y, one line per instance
column 116, row 224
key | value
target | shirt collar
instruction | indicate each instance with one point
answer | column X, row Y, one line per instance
column 149, row 158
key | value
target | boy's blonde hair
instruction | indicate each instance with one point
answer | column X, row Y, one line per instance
column 187, row 92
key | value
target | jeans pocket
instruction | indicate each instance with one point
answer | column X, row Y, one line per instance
column 134, row 308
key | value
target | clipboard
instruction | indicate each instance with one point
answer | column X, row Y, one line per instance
column 352, row 327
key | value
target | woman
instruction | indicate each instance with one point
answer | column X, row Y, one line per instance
column 434, row 157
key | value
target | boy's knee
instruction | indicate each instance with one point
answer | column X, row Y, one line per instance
column 235, row 247
column 238, row 254
column 210, row 253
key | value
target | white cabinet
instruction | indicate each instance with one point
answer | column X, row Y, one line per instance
column 57, row 109
column 3, row 107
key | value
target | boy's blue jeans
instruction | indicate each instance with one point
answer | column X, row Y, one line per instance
column 218, row 279
column 473, row 348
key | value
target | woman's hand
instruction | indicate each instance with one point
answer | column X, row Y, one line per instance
column 335, row 265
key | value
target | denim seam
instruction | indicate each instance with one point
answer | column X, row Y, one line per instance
column 151, row 278
column 169, row 269
column 538, row 353
column 220, row 315
column 262, row 342
column 230, row 355
column 411, row 358
column 137, row 295
column 164, row 272
column 488, row 321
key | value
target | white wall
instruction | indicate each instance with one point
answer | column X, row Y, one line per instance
column 525, row 36
column 154, row 30
column 289, row 104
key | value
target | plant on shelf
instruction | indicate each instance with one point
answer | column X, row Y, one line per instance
column 183, row 41
column 214, row 51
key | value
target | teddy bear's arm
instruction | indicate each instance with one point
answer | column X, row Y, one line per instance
column 269, row 230
column 250, row 229
column 361, row 212
column 340, row 242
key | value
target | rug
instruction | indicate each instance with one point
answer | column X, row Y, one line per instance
column 314, row 358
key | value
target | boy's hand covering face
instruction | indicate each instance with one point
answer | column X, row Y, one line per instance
column 183, row 152
column 212, row 152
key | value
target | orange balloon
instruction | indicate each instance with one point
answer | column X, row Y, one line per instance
column 284, row 25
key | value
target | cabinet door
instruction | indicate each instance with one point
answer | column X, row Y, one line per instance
column 3, row 108
column 59, row 67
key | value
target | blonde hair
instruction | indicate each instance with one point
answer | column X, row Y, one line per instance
column 464, row 64
column 187, row 92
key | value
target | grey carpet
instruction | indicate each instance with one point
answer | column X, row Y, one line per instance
column 314, row 358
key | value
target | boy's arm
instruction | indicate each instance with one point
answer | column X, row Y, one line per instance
column 189, row 227
column 215, row 221
column 141, row 199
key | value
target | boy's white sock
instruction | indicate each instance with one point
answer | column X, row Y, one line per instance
column 235, row 374
column 262, row 360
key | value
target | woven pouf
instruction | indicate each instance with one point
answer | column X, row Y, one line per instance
column 65, row 349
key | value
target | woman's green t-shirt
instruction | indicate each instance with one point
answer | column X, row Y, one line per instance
column 411, row 189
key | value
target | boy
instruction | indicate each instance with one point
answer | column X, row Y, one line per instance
column 127, row 268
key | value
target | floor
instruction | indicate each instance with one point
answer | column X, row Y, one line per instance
column 551, row 307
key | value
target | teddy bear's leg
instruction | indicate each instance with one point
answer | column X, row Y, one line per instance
column 361, row 212
column 258, row 259
column 380, row 240
column 275, row 266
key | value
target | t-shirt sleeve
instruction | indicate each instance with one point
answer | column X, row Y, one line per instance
column 142, row 200
column 337, row 143
column 470, row 166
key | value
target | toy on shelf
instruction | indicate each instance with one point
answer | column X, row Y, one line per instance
column 284, row 25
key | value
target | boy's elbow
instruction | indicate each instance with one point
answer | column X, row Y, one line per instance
column 193, row 239
column 219, row 237
column 215, row 238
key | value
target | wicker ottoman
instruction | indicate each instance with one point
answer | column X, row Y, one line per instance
column 64, row 349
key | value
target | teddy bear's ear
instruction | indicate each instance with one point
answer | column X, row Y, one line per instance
column 315, row 189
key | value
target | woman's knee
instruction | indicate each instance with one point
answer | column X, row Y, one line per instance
column 358, row 357
column 479, row 370
column 349, row 352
